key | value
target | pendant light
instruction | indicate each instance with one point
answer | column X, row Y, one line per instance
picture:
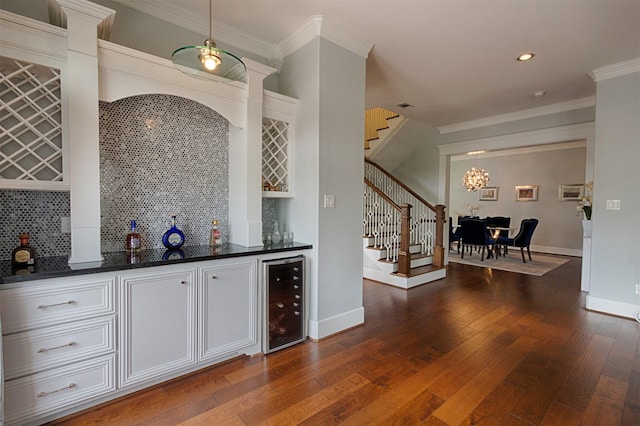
column 475, row 179
column 208, row 61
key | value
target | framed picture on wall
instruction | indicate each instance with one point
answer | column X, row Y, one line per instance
column 569, row 192
column 489, row 193
column 527, row 193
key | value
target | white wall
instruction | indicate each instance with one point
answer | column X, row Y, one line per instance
column 615, row 261
column 560, row 229
column 328, row 160
column 420, row 173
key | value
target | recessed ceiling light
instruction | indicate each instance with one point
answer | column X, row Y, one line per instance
column 526, row 57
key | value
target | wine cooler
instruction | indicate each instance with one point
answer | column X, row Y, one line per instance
column 284, row 304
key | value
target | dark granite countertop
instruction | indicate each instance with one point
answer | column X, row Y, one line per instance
column 52, row 267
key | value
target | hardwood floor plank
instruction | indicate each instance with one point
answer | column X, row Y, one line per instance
column 559, row 414
column 607, row 402
column 631, row 412
column 581, row 383
column 302, row 410
column 228, row 412
column 463, row 402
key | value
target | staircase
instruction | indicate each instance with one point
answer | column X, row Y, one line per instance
column 403, row 233
column 376, row 119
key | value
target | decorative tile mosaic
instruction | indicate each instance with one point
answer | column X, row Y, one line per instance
column 38, row 213
column 162, row 154
column 269, row 214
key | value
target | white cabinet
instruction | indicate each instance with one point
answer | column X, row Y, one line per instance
column 228, row 308
column 157, row 323
column 58, row 344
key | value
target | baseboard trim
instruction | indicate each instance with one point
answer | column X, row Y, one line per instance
column 613, row 307
column 557, row 250
column 336, row 324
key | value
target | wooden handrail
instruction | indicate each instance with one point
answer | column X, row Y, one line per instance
column 401, row 184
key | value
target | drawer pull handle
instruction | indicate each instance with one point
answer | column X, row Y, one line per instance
column 296, row 286
column 296, row 304
column 69, row 386
column 213, row 277
column 280, row 305
column 296, row 313
column 41, row 350
column 278, row 279
column 297, row 296
column 184, row 282
column 68, row 302
column 295, row 278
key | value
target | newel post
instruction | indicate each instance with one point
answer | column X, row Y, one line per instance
column 438, row 249
column 404, row 256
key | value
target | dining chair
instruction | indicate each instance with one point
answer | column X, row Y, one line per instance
column 454, row 236
column 522, row 239
column 500, row 222
column 476, row 235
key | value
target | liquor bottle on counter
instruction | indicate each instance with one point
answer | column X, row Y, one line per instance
column 173, row 238
column 215, row 238
column 23, row 257
column 134, row 240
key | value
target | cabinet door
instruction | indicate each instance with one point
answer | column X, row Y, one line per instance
column 228, row 309
column 157, row 324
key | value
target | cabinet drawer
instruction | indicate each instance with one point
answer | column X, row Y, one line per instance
column 55, row 302
column 49, row 347
column 44, row 393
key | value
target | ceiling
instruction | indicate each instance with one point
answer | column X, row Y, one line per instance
column 454, row 61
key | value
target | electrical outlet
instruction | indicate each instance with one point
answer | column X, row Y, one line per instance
column 65, row 224
column 638, row 289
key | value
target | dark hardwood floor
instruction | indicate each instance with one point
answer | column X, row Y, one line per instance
column 481, row 347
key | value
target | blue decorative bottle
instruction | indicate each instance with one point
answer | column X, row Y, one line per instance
column 173, row 238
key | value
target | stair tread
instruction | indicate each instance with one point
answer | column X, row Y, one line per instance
column 413, row 257
column 419, row 270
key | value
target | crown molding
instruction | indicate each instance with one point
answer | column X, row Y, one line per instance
column 615, row 70
column 520, row 115
column 318, row 26
column 524, row 150
column 572, row 132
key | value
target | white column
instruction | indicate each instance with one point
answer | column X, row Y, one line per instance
column 245, row 163
column 81, row 87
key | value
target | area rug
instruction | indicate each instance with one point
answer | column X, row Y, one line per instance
column 540, row 265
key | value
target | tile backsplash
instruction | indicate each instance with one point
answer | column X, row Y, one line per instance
column 37, row 213
column 162, row 154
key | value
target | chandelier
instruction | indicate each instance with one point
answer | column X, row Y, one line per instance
column 475, row 179
column 208, row 61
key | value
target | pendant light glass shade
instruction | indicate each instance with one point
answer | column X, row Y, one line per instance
column 208, row 62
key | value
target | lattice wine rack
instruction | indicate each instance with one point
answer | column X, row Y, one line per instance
column 275, row 157
column 31, row 147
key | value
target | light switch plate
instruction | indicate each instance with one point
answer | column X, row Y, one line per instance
column 329, row 201
column 613, row 204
